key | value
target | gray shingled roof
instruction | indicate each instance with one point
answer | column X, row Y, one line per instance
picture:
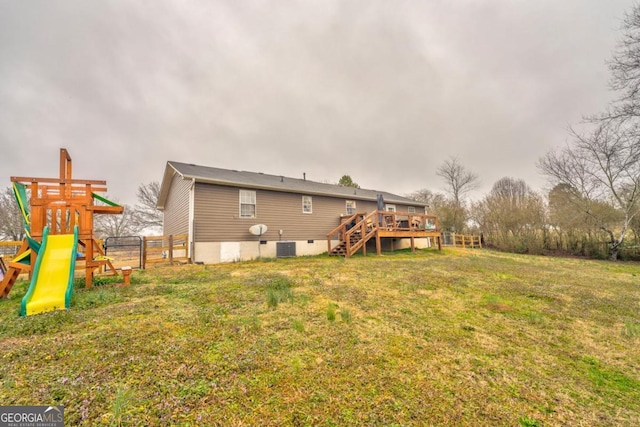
column 256, row 180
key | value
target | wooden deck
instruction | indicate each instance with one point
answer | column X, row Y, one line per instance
column 355, row 231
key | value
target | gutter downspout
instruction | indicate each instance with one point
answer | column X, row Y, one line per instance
column 192, row 225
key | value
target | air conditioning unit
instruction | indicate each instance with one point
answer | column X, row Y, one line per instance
column 285, row 249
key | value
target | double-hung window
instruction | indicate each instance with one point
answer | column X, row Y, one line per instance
column 247, row 204
column 350, row 207
column 307, row 206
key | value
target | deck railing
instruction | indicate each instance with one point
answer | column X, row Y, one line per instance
column 401, row 221
column 355, row 230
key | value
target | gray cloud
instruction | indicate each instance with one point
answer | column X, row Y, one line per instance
column 383, row 91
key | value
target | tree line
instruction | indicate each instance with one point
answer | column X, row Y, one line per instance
column 513, row 217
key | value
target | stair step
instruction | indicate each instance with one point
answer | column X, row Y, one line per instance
column 356, row 242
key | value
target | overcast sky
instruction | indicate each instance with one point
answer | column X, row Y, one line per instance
column 384, row 91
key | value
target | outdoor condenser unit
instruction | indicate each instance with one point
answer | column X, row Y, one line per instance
column 285, row 249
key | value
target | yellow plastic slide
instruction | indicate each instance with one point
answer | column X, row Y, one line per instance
column 52, row 280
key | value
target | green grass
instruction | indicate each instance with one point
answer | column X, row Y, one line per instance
column 632, row 329
column 462, row 338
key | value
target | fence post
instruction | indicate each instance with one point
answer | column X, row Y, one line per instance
column 144, row 252
column 187, row 249
column 171, row 249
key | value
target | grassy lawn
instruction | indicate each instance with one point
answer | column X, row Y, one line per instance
column 463, row 338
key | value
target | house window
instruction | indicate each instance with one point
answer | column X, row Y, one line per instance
column 391, row 208
column 247, row 204
column 307, row 206
column 351, row 207
column 411, row 209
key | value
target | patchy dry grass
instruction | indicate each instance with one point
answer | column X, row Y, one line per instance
column 460, row 338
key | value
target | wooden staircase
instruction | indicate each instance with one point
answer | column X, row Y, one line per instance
column 342, row 248
column 354, row 234
column 355, row 231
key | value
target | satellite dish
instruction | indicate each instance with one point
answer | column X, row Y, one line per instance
column 258, row 229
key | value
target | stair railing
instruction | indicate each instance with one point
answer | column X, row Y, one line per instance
column 366, row 228
column 341, row 230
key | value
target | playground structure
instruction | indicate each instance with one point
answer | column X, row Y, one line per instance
column 57, row 207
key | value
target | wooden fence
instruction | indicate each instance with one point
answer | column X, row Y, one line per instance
column 155, row 249
column 461, row 240
column 8, row 250
column 165, row 249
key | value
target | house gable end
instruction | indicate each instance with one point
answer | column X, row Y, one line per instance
column 176, row 205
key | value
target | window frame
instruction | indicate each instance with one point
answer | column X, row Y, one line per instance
column 310, row 205
column 353, row 208
column 242, row 201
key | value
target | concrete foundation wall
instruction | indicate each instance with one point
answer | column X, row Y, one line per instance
column 216, row 252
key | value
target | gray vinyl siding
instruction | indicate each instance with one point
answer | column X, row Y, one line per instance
column 217, row 214
column 176, row 210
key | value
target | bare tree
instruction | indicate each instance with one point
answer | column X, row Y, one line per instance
column 11, row 222
column 458, row 183
column 428, row 197
column 458, row 180
column 512, row 216
column 601, row 167
column 625, row 70
column 449, row 215
column 572, row 229
column 147, row 214
column 124, row 224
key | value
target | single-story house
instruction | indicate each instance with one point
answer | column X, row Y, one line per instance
column 216, row 207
